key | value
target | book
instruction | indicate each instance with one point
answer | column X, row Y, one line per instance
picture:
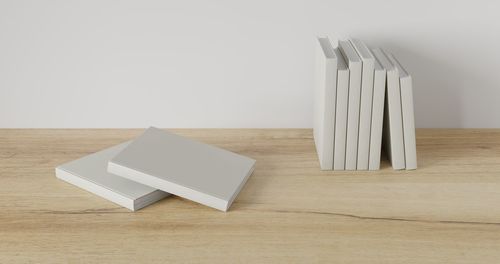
column 354, row 63
column 90, row 173
column 324, row 102
column 379, row 80
column 341, row 112
column 365, row 110
column 392, row 139
column 193, row 170
column 405, row 82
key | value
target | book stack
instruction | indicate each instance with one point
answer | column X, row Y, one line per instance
column 363, row 103
column 140, row 172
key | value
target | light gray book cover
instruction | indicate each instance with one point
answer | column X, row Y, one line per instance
column 379, row 80
column 90, row 173
column 196, row 171
column 324, row 102
column 366, row 102
column 407, row 112
column 355, row 65
column 392, row 133
column 341, row 112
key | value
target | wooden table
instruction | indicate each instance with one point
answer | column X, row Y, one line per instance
column 447, row 211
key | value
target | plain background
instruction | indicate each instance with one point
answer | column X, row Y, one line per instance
column 196, row 63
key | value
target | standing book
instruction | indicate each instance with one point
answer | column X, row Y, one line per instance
column 89, row 173
column 393, row 121
column 341, row 112
column 379, row 86
column 196, row 171
column 355, row 64
column 365, row 110
column 405, row 83
column 324, row 102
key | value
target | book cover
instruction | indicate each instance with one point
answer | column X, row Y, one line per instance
column 365, row 110
column 392, row 138
column 354, row 63
column 341, row 112
column 324, row 102
column 379, row 86
column 405, row 82
column 193, row 170
column 90, row 173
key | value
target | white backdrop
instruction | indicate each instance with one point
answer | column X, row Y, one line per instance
column 196, row 63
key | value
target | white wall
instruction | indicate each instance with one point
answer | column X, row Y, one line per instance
column 232, row 63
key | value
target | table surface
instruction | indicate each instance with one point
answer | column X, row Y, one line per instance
column 447, row 211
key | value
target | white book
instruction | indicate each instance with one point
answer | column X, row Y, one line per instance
column 199, row 172
column 354, row 63
column 365, row 109
column 379, row 81
column 324, row 102
column 90, row 173
column 393, row 141
column 406, row 88
column 341, row 112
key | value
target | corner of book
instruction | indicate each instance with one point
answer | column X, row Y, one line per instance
column 132, row 206
column 226, row 207
column 58, row 170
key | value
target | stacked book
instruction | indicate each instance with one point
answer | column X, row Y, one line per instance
column 140, row 172
column 363, row 103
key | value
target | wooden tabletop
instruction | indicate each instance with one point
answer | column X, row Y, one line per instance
column 447, row 211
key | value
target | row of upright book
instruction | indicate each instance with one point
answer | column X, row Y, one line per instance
column 363, row 103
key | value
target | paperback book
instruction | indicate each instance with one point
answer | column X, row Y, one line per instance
column 193, row 170
column 90, row 173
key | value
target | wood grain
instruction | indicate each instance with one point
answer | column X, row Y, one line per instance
column 447, row 211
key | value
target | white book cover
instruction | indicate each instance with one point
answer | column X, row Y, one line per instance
column 324, row 102
column 379, row 81
column 90, row 173
column 406, row 88
column 393, row 141
column 365, row 109
column 196, row 171
column 341, row 112
column 354, row 63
